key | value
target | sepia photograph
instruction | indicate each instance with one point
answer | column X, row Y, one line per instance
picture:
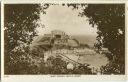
column 64, row 39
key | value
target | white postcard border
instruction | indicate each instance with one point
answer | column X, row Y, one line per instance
column 62, row 78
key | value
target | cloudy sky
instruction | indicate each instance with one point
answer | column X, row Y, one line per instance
column 63, row 18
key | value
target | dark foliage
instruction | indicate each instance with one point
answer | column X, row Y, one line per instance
column 109, row 19
column 58, row 66
column 110, row 22
column 20, row 24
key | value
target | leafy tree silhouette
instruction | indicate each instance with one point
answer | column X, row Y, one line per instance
column 19, row 24
column 110, row 22
column 109, row 19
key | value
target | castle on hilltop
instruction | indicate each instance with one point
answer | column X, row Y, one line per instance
column 61, row 38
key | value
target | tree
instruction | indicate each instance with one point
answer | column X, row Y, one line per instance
column 110, row 22
column 20, row 23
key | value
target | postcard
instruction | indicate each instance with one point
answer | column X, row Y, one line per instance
column 63, row 41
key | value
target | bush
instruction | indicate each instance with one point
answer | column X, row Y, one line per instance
column 113, row 68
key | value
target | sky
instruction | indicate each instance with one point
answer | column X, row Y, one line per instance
column 63, row 18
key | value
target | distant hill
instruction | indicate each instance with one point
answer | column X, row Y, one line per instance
column 85, row 39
